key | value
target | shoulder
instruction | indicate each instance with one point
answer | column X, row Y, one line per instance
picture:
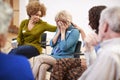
column 20, row 59
column 13, row 64
column 46, row 23
column 42, row 21
column 75, row 31
column 111, row 53
column 24, row 21
column 13, row 58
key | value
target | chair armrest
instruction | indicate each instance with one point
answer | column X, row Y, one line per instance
column 44, row 44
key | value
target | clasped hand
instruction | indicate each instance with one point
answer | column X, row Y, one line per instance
column 62, row 26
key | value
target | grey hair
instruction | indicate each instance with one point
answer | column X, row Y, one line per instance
column 64, row 15
column 112, row 17
column 5, row 16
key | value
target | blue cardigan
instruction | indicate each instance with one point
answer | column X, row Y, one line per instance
column 65, row 48
column 14, row 68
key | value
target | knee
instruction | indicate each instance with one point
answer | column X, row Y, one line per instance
column 39, row 58
column 44, row 67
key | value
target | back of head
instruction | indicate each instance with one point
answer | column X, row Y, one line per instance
column 94, row 16
column 5, row 16
column 112, row 17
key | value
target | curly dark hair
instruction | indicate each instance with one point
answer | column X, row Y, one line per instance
column 94, row 16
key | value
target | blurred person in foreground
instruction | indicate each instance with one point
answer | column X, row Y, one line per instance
column 11, row 67
column 107, row 63
column 63, row 45
column 72, row 68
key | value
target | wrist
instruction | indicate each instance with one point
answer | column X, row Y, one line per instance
column 89, row 48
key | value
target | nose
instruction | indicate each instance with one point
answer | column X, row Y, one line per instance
column 38, row 17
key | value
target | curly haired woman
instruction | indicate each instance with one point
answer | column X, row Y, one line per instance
column 31, row 29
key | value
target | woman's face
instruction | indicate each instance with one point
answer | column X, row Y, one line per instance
column 36, row 17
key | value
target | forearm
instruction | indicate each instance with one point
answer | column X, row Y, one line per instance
column 83, row 35
column 54, row 40
column 19, row 38
column 63, row 36
column 90, row 57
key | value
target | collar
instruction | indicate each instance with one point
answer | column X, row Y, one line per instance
column 70, row 27
column 114, row 41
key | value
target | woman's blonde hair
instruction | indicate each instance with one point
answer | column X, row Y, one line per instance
column 63, row 15
column 34, row 6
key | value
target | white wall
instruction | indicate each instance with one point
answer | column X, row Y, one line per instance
column 22, row 13
column 78, row 9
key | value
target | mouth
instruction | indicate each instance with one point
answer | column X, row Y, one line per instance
column 36, row 20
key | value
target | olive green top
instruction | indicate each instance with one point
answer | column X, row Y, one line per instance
column 33, row 37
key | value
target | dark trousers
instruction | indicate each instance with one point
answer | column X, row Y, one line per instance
column 25, row 50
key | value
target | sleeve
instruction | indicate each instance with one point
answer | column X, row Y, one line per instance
column 90, row 57
column 20, row 35
column 50, row 27
column 70, row 40
column 51, row 41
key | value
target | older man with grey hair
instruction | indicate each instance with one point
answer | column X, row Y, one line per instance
column 11, row 67
column 107, row 64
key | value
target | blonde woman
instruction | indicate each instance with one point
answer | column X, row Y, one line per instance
column 63, row 44
column 30, row 31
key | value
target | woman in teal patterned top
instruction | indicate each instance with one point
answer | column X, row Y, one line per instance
column 30, row 31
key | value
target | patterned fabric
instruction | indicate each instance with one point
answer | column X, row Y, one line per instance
column 68, row 69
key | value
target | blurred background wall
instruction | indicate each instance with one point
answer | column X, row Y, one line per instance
column 78, row 9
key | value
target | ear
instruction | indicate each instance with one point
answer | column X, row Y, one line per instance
column 106, row 26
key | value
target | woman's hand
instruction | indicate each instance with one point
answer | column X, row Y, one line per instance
column 91, row 40
column 63, row 27
column 76, row 26
column 80, row 30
